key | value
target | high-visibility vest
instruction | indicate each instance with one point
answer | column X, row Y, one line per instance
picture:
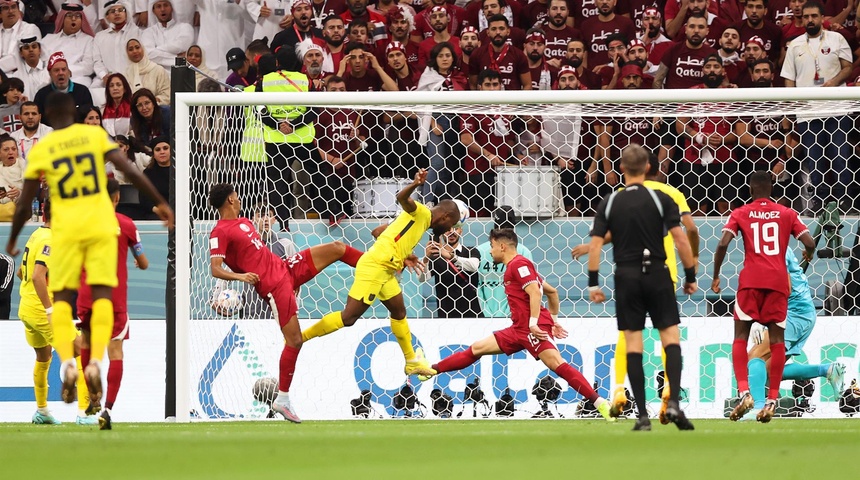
column 253, row 147
column 284, row 81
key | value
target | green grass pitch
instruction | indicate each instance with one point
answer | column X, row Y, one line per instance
column 439, row 450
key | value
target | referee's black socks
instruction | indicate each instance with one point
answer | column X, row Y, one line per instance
column 673, row 370
column 636, row 373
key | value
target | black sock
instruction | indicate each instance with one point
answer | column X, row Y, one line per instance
column 636, row 374
column 673, row 370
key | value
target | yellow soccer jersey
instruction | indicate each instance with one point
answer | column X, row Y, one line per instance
column 668, row 242
column 37, row 251
column 399, row 239
column 73, row 161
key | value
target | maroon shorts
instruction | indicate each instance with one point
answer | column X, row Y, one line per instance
column 282, row 301
column 301, row 267
column 511, row 340
column 120, row 323
column 761, row 305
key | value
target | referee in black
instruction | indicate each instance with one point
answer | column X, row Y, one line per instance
column 637, row 219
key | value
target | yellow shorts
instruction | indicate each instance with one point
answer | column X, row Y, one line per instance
column 69, row 255
column 372, row 282
column 38, row 330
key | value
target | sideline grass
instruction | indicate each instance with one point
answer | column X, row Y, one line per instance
column 717, row 449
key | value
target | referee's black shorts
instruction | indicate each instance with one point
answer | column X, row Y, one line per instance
column 638, row 293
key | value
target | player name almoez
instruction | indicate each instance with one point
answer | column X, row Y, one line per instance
column 764, row 215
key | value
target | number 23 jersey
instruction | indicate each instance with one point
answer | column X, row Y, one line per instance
column 766, row 227
column 239, row 244
column 73, row 161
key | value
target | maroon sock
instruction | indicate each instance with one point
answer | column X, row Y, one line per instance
column 777, row 365
column 288, row 367
column 114, row 379
column 85, row 357
column 351, row 256
column 739, row 361
column 576, row 381
column 456, row 361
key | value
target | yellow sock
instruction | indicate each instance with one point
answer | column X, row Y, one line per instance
column 665, row 377
column 329, row 323
column 400, row 329
column 64, row 331
column 101, row 328
column 620, row 361
column 40, row 383
column 83, row 392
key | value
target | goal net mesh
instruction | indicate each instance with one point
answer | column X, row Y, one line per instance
column 547, row 166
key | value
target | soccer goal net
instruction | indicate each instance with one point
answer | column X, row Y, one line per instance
column 539, row 162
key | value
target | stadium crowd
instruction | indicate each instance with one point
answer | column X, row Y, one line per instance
column 114, row 57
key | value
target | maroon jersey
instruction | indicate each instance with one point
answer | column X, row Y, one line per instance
column 411, row 54
column 557, row 40
column 634, row 130
column 239, row 244
column 833, row 8
column 766, row 227
column 770, row 34
column 408, row 83
column 778, row 9
column 486, row 133
column 544, row 76
column 510, row 63
column 129, row 238
column 369, row 82
column 594, row 33
column 716, row 25
column 533, row 14
column 585, row 10
column 520, row 273
column 341, row 134
column 685, row 65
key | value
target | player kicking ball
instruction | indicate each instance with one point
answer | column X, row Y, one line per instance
column 799, row 325
column 763, row 286
column 84, row 228
column 129, row 239
column 534, row 326
column 234, row 242
column 375, row 273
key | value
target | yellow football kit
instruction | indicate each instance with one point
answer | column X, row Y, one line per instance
column 37, row 329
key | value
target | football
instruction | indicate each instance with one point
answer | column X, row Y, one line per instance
column 464, row 210
column 228, row 303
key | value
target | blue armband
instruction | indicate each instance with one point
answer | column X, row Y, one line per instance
column 138, row 249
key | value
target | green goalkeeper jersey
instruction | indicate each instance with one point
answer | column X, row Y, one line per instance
column 491, row 287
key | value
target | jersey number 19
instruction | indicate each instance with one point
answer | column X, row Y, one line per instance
column 765, row 238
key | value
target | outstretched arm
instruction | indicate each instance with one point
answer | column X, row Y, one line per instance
column 404, row 197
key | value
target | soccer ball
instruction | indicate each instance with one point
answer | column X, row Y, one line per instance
column 228, row 303
column 464, row 210
column 265, row 390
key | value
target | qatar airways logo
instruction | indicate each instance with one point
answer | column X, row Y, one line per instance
column 506, row 69
column 342, row 132
column 766, row 128
column 589, row 12
column 693, row 70
column 598, row 43
column 780, row 14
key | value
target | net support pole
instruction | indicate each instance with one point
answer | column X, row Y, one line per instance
column 178, row 281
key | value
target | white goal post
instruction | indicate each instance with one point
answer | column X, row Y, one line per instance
column 620, row 104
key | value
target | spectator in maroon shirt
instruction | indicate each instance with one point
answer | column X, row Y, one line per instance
column 558, row 31
column 729, row 51
column 439, row 20
column 499, row 55
column 357, row 10
column 576, row 57
column 424, row 25
column 358, row 31
column 596, row 29
column 716, row 25
column 542, row 73
column 682, row 64
column 478, row 12
column 638, row 56
column 793, row 26
column 400, row 24
column 359, row 78
column 334, row 35
column 469, row 42
column 652, row 35
column 491, row 8
column 402, row 134
column 610, row 73
column 757, row 25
